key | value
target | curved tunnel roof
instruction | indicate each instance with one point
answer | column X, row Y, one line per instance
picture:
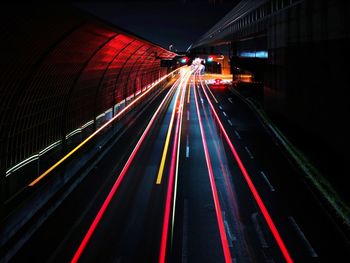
column 60, row 69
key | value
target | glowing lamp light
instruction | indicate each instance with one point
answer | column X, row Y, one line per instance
column 184, row 60
column 218, row 81
column 210, row 59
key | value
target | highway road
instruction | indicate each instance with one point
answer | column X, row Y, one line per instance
column 194, row 178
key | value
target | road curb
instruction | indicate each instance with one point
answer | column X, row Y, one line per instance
column 312, row 173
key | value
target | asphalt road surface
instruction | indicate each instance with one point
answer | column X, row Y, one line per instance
column 195, row 178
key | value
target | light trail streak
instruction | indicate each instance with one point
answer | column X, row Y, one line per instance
column 224, row 242
column 44, row 174
column 188, row 94
column 216, row 101
column 251, row 186
column 170, row 188
column 177, row 159
column 220, row 153
column 167, row 140
column 117, row 183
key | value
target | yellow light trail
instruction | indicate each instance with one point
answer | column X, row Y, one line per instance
column 44, row 174
column 172, row 174
column 167, row 140
column 188, row 94
column 166, row 145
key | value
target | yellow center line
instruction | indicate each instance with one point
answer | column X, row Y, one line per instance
column 35, row 181
column 167, row 140
column 188, row 94
column 165, row 149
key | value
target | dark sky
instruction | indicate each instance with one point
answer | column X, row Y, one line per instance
column 163, row 22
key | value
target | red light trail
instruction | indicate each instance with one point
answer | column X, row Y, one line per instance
column 251, row 186
column 44, row 174
column 173, row 167
column 117, row 183
column 224, row 242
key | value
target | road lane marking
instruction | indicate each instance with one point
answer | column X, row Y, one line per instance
column 231, row 237
column 117, row 183
column 230, row 122
column 310, row 249
column 230, row 100
column 216, row 101
column 188, row 115
column 220, row 107
column 185, row 233
column 237, row 134
column 249, row 152
column 223, row 236
column 187, row 148
column 258, row 230
column 224, row 113
column 201, row 84
column 120, row 113
column 229, row 234
column 252, row 187
column 267, row 181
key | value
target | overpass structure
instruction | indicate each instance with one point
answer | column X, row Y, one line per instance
column 298, row 49
column 110, row 152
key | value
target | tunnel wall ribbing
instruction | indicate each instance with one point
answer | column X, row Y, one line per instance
column 63, row 73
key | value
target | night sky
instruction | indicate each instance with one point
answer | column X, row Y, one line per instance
column 179, row 23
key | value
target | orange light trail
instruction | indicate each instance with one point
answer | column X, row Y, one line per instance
column 167, row 140
column 44, row 174
column 117, row 183
column 188, row 94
